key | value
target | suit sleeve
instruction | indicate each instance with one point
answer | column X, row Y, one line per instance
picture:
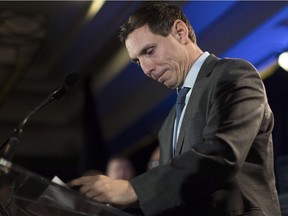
column 235, row 107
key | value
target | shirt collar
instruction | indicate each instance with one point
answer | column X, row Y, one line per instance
column 193, row 73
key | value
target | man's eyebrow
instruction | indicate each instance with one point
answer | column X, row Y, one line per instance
column 144, row 49
column 142, row 52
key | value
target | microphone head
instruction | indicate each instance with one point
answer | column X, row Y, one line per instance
column 59, row 94
column 71, row 79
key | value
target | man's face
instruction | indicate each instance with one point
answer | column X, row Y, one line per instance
column 161, row 58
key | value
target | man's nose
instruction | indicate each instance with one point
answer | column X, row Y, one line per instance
column 147, row 67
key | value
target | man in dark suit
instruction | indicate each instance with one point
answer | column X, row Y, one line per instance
column 217, row 159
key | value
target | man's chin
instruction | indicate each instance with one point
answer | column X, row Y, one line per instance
column 168, row 85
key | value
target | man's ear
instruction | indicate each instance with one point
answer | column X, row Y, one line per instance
column 180, row 31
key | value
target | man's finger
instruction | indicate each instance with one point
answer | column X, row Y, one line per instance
column 78, row 181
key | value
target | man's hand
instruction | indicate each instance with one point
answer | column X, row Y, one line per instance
column 105, row 189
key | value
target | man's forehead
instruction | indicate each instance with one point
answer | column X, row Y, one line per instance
column 138, row 33
column 139, row 39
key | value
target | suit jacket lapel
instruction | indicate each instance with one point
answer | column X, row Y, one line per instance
column 167, row 137
column 200, row 83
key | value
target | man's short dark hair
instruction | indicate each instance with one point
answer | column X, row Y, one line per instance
column 160, row 18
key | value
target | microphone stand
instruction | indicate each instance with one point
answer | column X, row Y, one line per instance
column 8, row 148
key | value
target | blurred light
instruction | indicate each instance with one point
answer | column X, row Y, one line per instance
column 119, row 61
column 283, row 60
column 94, row 8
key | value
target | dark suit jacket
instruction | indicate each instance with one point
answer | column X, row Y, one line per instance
column 224, row 155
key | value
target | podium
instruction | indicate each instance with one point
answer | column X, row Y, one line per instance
column 24, row 193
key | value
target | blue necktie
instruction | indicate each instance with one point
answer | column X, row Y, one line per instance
column 180, row 103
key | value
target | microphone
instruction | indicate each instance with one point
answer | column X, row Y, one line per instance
column 59, row 93
column 7, row 149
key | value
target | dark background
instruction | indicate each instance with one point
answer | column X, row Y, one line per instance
column 115, row 109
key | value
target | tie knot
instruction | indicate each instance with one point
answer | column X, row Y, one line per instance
column 182, row 95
